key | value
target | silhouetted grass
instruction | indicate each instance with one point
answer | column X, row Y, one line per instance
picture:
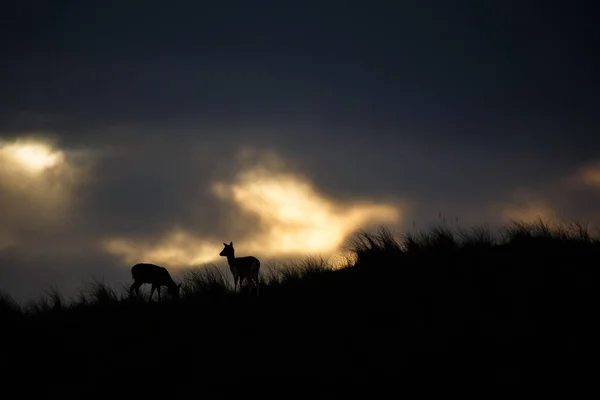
column 205, row 283
column 477, row 237
column 293, row 272
column 8, row 306
column 443, row 304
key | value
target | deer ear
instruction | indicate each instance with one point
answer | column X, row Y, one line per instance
column 231, row 243
column 225, row 244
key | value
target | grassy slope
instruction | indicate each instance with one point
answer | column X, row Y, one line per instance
column 426, row 307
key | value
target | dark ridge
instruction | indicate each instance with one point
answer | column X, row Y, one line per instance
column 465, row 308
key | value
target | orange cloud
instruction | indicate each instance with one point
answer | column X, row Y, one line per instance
column 528, row 212
column 37, row 169
column 36, row 183
column 590, row 174
column 291, row 217
column 295, row 218
column 526, row 207
column 29, row 156
column 177, row 248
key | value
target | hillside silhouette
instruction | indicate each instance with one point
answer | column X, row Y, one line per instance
column 426, row 307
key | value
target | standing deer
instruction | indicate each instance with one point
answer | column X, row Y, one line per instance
column 155, row 275
column 242, row 268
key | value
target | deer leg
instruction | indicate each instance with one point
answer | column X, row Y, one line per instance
column 256, row 282
column 135, row 287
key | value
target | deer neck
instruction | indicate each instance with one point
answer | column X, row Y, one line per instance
column 231, row 259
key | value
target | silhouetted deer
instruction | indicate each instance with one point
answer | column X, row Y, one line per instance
column 242, row 268
column 155, row 275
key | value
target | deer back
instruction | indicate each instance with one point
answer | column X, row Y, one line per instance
column 150, row 273
column 243, row 266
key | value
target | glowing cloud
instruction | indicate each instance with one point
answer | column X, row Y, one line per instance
column 590, row 174
column 36, row 184
column 36, row 170
column 275, row 214
column 31, row 156
column 295, row 219
column 528, row 212
column 527, row 207
column 567, row 197
column 177, row 248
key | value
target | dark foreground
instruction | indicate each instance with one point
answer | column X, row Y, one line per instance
column 427, row 311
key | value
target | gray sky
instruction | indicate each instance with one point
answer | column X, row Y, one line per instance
column 169, row 128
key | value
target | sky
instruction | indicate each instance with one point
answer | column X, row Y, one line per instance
column 156, row 131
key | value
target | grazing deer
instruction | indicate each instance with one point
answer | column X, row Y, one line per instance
column 155, row 275
column 242, row 268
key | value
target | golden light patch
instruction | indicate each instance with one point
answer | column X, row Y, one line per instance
column 293, row 220
column 30, row 156
column 590, row 174
column 177, row 248
column 37, row 171
column 529, row 212
column 36, row 186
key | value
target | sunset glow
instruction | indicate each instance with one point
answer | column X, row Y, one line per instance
column 294, row 220
column 177, row 248
column 590, row 174
column 530, row 211
column 37, row 185
column 34, row 157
